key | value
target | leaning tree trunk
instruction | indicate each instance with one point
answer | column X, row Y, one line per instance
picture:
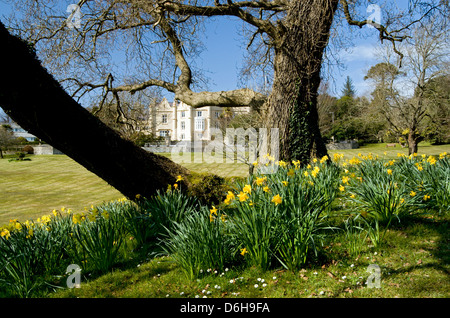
column 36, row 101
column 292, row 105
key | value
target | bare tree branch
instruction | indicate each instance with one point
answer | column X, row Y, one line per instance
column 384, row 33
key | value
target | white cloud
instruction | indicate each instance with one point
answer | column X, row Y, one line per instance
column 358, row 53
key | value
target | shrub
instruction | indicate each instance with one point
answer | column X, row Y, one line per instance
column 209, row 189
column 20, row 156
column 28, row 150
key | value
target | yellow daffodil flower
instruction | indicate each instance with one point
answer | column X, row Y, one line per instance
column 247, row 188
column 323, row 159
column 260, row 181
column 5, row 233
column 242, row 196
column 277, row 199
column 282, row 163
column 431, row 160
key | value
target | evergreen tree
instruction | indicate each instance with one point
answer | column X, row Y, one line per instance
column 349, row 89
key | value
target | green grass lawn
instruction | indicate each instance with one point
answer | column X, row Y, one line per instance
column 30, row 189
column 391, row 152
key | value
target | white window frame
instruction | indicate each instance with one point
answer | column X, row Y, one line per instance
column 199, row 124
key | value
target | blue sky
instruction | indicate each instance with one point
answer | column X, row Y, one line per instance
column 222, row 58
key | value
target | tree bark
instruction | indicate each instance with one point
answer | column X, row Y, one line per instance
column 292, row 105
column 37, row 102
column 413, row 141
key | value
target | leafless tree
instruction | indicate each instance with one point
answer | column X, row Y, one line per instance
column 425, row 59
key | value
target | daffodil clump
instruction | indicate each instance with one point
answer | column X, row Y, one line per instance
column 269, row 219
column 384, row 191
column 263, row 209
column 34, row 251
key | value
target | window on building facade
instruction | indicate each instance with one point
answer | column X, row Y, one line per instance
column 164, row 133
column 199, row 124
column 164, row 119
column 183, row 137
column 183, row 114
column 183, row 125
column 217, row 114
column 199, row 113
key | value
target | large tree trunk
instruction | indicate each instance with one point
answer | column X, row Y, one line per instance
column 413, row 141
column 36, row 101
column 292, row 105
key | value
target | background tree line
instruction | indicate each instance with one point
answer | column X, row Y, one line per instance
column 409, row 100
column 364, row 118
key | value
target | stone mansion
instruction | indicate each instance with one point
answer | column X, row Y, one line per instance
column 178, row 121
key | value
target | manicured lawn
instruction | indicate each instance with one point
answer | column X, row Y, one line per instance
column 30, row 189
column 391, row 152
